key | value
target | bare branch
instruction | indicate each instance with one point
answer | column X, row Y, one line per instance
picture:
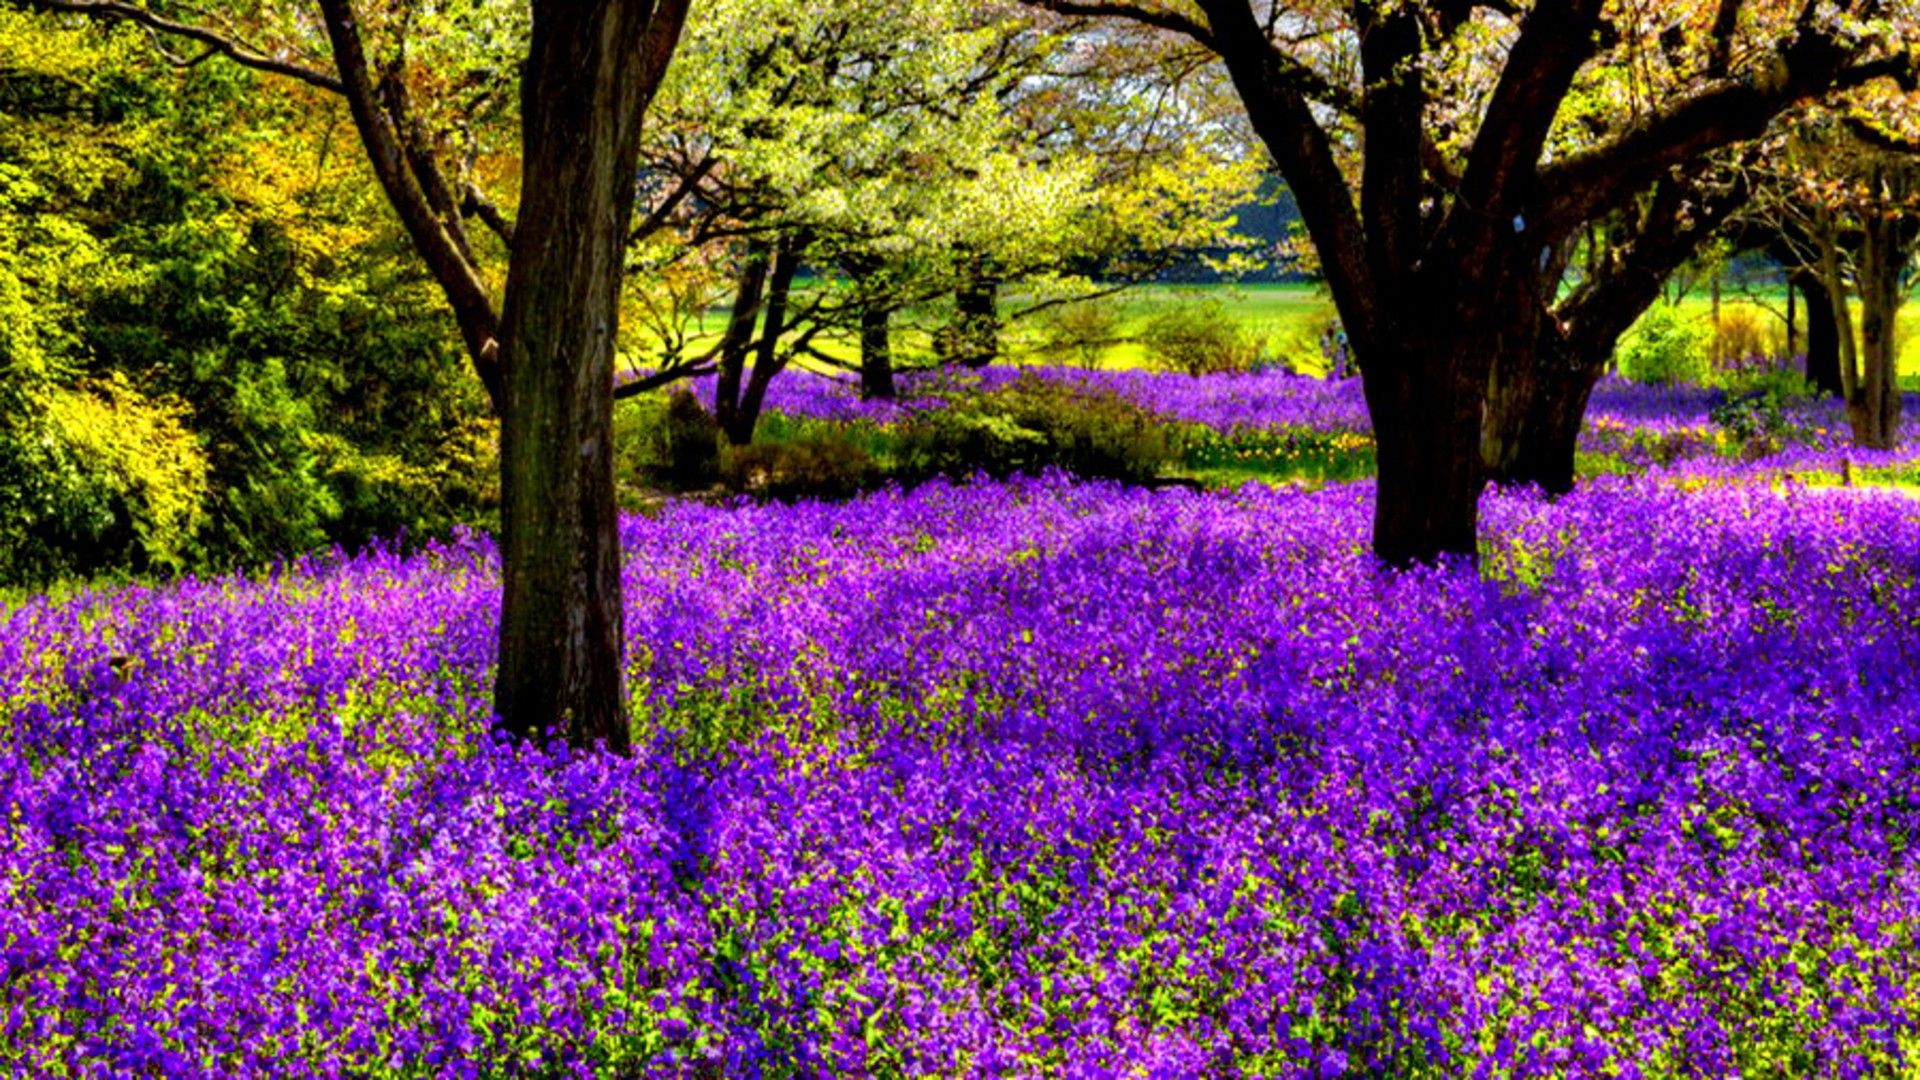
column 1164, row 20
column 474, row 203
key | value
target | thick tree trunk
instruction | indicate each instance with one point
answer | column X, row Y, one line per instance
column 1535, row 439
column 1426, row 405
column 876, row 355
column 1823, row 337
column 587, row 79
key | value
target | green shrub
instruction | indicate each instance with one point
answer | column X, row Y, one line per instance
column 825, row 463
column 1031, row 425
column 691, row 439
column 1755, row 416
column 1666, row 348
column 142, row 453
column 1200, row 338
column 95, row 479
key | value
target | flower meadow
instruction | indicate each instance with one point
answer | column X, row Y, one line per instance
column 1041, row 778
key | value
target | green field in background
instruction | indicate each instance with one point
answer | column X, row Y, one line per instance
column 1284, row 316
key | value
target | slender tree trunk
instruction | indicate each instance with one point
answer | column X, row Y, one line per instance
column 768, row 360
column 749, row 293
column 1823, row 337
column 1834, row 280
column 876, row 354
column 584, row 89
column 1793, row 321
column 1875, row 406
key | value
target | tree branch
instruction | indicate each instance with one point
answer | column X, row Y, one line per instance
column 1729, row 111
column 472, row 308
column 474, row 203
column 1155, row 17
column 115, row 11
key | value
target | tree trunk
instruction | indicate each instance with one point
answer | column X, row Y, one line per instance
column 737, row 341
column 1874, row 408
column 584, row 89
column 975, row 334
column 1823, row 337
column 1535, row 439
column 1426, row 405
column 876, row 354
column 767, row 361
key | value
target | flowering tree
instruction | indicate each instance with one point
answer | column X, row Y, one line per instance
column 1444, row 154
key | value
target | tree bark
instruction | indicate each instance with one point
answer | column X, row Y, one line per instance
column 749, row 293
column 1426, row 409
column 1823, row 336
column 876, row 354
column 590, row 73
column 1874, row 408
column 768, row 361
column 975, row 334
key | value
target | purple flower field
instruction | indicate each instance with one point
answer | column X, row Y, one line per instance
column 1640, row 424
column 1042, row 778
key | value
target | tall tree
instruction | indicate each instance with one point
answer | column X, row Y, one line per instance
column 1444, row 152
column 587, row 71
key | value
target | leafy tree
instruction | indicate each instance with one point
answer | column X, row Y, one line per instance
column 1841, row 196
column 1444, row 153
column 893, row 153
column 423, row 88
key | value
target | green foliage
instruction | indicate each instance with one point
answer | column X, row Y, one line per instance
column 1307, row 454
column 1755, row 415
column 826, row 463
column 216, row 347
column 1031, row 425
column 1667, row 348
column 1200, row 337
column 141, row 453
column 1315, row 343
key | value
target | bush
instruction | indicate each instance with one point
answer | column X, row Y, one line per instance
column 96, row 479
column 1666, row 348
column 1032, row 425
column 1316, row 344
column 1081, row 332
column 1755, row 414
column 692, row 442
column 822, row 464
column 1200, row 338
column 1744, row 338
